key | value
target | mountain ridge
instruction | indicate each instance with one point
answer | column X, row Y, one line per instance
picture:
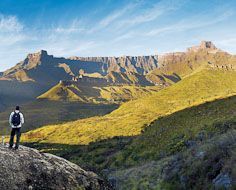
column 63, row 68
column 39, row 71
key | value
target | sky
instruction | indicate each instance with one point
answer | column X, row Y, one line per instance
column 112, row 28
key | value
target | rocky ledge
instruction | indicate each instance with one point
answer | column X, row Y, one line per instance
column 27, row 168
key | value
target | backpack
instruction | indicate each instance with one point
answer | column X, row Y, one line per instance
column 15, row 120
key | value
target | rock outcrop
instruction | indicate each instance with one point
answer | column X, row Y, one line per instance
column 27, row 168
column 204, row 45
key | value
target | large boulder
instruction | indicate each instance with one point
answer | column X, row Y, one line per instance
column 27, row 168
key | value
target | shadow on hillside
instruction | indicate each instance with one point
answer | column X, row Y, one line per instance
column 43, row 112
column 94, row 156
column 210, row 117
column 174, row 77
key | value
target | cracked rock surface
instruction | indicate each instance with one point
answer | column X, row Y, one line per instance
column 27, row 168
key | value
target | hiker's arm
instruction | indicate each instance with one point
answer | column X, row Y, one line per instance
column 10, row 118
column 22, row 119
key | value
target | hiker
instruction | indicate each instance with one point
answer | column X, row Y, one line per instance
column 16, row 120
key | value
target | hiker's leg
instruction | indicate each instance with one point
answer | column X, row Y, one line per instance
column 18, row 134
column 12, row 137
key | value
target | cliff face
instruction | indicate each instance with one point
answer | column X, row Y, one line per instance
column 26, row 168
column 43, row 68
column 137, row 64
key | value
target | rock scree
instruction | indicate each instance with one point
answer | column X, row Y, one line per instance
column 27, row 168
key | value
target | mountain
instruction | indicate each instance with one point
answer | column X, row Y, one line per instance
column 137, row 64
column 132, row 117
column 43, row 68
column 205, row 45
column 29, row 169
column 39, row 71
column 175, row 66
column 90, row 93
column 130, row 78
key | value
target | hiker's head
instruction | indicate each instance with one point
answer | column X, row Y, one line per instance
column 17, row 108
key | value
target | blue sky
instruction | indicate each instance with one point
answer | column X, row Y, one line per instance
column 112, row 28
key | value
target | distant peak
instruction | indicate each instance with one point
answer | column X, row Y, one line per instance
column 38, row 55
column 43, row 52
column 204, row 45
column 207, row 45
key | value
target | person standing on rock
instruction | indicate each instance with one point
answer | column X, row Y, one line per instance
column 16, row 121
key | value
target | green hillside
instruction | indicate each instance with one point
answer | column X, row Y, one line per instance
column 196, row 143
column 132, row 117
column 171, row 134
column 94, row 94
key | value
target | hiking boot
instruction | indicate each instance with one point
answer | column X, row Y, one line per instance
column 16, row 148
column 10, row 147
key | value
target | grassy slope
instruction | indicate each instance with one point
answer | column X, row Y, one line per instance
column 108, row 94
column 132, row 117
column 173, row 133
column 180, row 65
column 198, row 167
column 173, row 142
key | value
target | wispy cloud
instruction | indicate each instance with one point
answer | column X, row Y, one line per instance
column 124, row 37
column 228, row 44
column 73, row 27
column 115, row 16
column 10, row 24
column 152, row 13
column 11, row 31
column 198, row 21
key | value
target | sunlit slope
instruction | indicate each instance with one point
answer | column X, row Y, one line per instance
column 133, row 116
column 176, row 66
column 91, row 94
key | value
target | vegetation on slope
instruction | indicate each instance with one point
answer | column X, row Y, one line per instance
column 176, row 66
column 184, row 150
column 132, row 117
column 91, row 94
column 178, row 131
column 207, row 165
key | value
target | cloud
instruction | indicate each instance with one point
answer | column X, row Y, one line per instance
column 117, row 14
column 191, row 23
column 124, row 37
column 151, row 14
column 227, row 44
column 73, row 27
column 11, row 31
column 114, row 17
column 10, row 24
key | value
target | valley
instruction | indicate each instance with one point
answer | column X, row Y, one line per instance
column 43, row 112
column 198, row 137
column 134, row 116
column 141, row 122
